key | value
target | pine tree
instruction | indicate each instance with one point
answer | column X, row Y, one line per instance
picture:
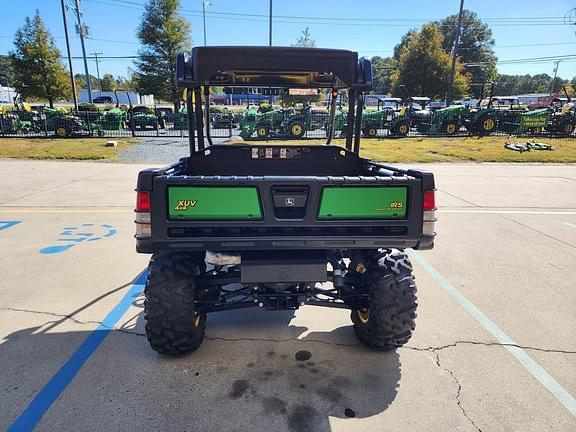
column 38, row 70
column 163, row 33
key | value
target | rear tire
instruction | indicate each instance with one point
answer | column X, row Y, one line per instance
column 450, row 127
column 296, row 129
column 389, row 319
column 262, row 131
column 402, row 128
column 486, row 124
column 371, row 131
column 172, row 324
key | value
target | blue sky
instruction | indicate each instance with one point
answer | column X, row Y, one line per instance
column 370, row 27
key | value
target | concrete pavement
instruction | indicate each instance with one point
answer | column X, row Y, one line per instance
column 507, row 243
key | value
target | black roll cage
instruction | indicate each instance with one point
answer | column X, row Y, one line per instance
column 272, row 67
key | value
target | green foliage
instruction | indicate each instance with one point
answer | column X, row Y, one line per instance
column 522, row 84
column 305, row 40
column 382, row 69
column 424, row 66
column 476, row 45
column 403, row 43
column 38, row 71
column 163, row 32
column 109, row 83
column 6, row 71
column 87, row 107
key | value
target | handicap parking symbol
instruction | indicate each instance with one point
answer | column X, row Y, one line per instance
column 73, row 236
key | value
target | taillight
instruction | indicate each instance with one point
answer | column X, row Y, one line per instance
column 143, row 227
column 142, row 201
column 429, row 201
column 429, row 216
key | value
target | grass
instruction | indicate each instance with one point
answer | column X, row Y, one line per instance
column 457, row 149
column 68, row 149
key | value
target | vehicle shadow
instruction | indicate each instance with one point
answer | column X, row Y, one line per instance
column 257, row 370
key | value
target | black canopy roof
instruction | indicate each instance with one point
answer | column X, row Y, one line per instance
column 273, row 66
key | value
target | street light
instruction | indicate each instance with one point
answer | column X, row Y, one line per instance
column 205, row 4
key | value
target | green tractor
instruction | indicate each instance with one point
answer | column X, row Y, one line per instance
column 64, row 124
column 483, row 118
column 393, row 118
column 445, row 121
column 277, row 123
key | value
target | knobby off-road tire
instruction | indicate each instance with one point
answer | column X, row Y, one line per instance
column 389, row 320
column 172, row 324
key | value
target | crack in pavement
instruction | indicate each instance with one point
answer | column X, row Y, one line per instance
column 458, row 392
column 71, row 318
column 251, row 339
column 467, row 342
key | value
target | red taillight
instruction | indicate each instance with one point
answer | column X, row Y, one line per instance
column 142, row 201
column 429, row 201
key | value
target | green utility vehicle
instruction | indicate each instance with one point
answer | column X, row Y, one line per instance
column 268, row 225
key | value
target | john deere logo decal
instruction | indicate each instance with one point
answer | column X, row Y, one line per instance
column 184, row 204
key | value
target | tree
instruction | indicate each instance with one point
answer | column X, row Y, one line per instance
column 163, row 32
column 109, row 83
column 522, row 84
column 38, row 71
column 403, row 43
column 476, row 45
column 305, row 40
column 382, row 69
column 6, row 71
column 424, row 66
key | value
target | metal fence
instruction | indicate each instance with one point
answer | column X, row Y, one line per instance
column 289, row 124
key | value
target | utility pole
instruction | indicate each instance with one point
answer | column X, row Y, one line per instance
column 450, row 94
column 95, row 54
column 82, row 32
column 270, row 26
column 74, row 97
column 205, row 4
column 557, row 63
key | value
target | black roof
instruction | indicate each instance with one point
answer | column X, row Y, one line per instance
column 272, row 66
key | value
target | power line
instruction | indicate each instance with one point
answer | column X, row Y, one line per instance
column 341, row 21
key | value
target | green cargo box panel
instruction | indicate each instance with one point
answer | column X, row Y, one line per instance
column 214, row 203
column 363, row 203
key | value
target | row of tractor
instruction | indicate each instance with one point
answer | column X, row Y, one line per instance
column 22, row 119
column 415, row 114
column 398, row 117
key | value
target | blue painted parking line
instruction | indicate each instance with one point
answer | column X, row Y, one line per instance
column 28, row 420
column 4, row 225
column 537, row 371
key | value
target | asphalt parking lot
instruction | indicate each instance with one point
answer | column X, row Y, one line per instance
column 494, row 348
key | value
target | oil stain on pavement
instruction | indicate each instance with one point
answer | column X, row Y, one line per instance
column 303, row 389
